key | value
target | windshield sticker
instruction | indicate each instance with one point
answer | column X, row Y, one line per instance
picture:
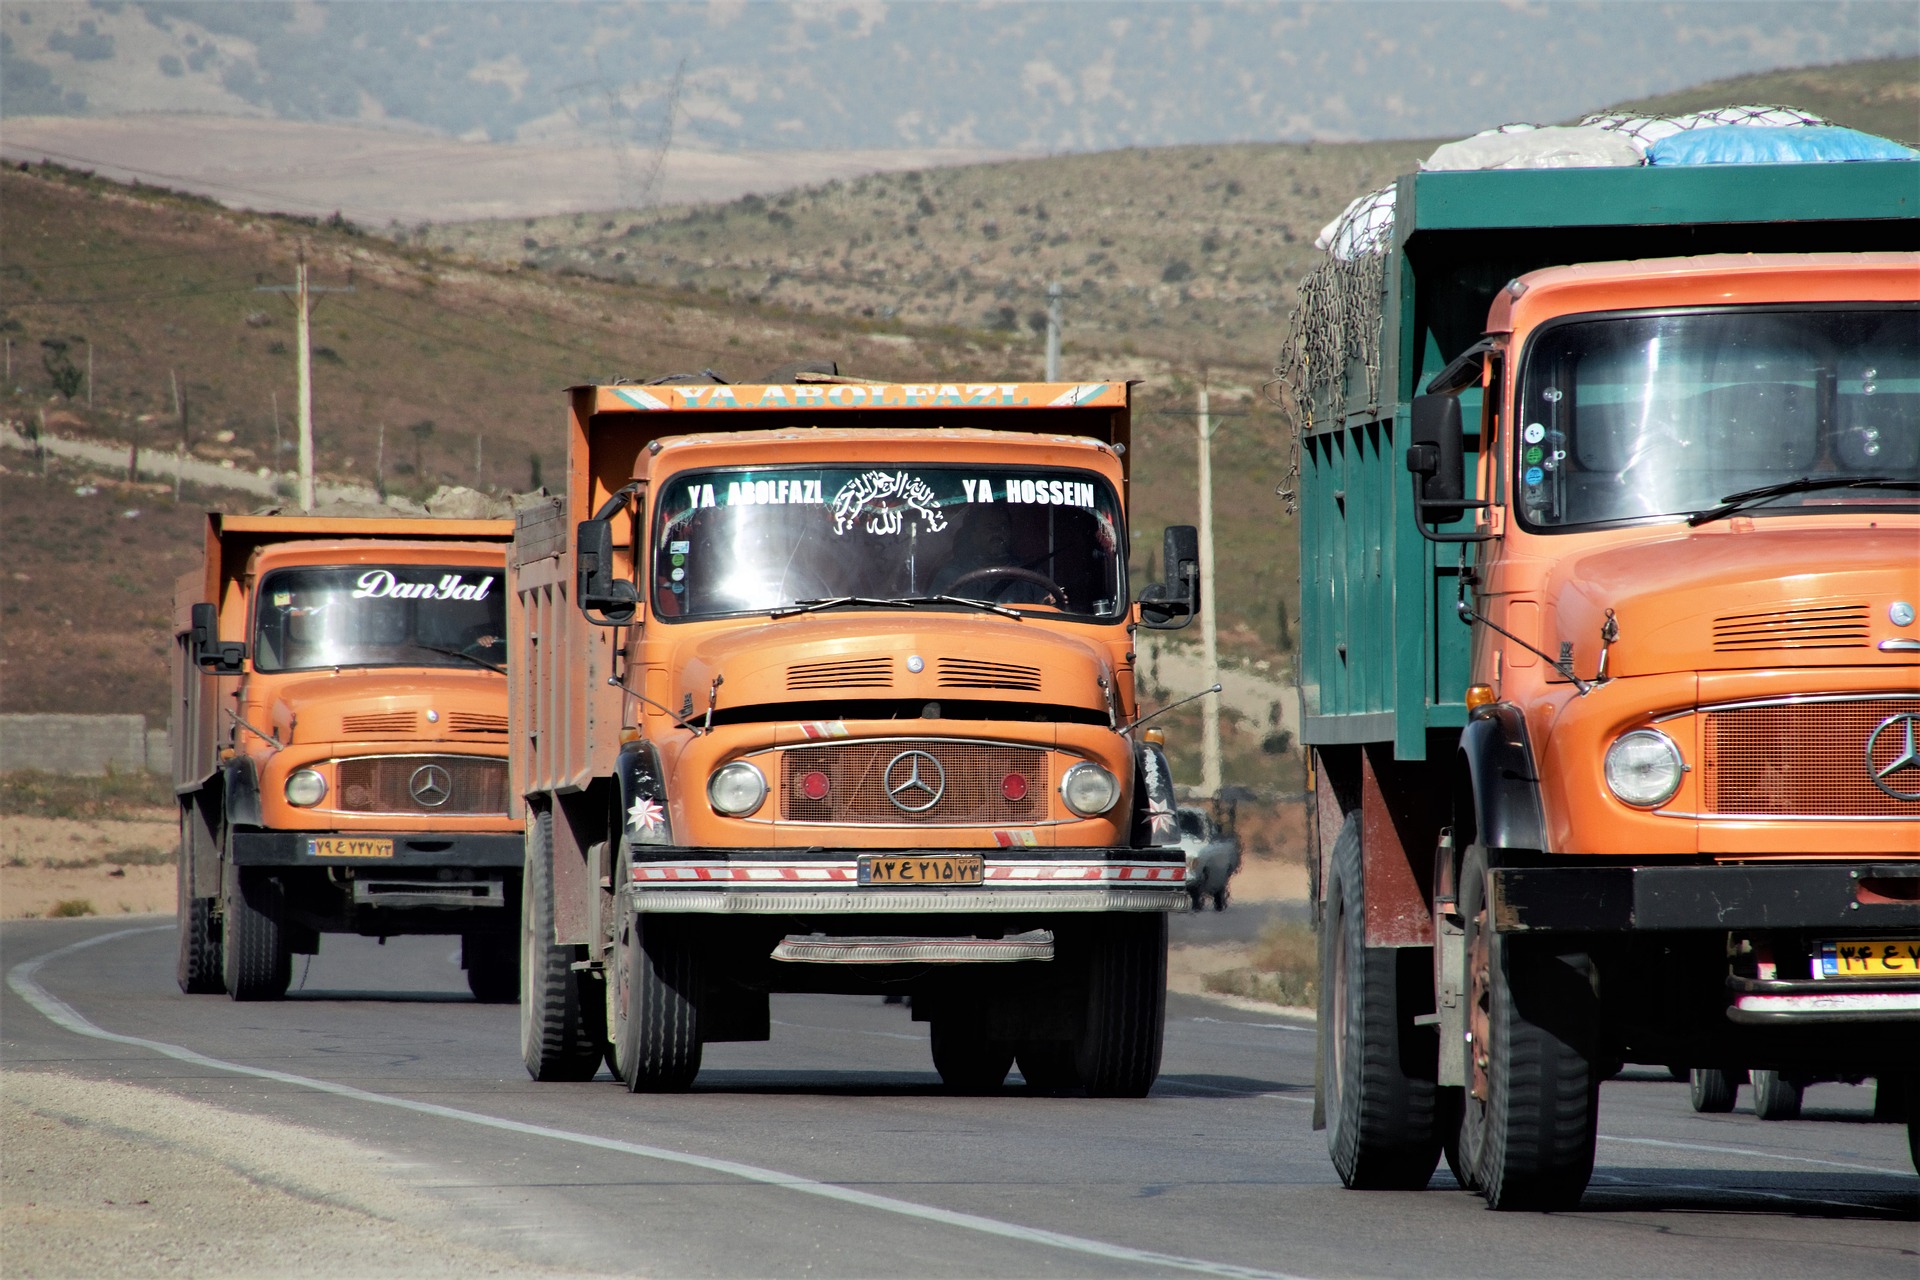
column 1535, row 433
column 764, row 493
column 886, row 499
column 380, row 584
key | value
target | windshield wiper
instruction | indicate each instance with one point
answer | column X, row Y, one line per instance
column 474, row 658
column 988, row 605
column 1734, row 501
column 827, row 602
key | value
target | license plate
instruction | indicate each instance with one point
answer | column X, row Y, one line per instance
column 1868, row 958
column 929, row 869
column 349, row 847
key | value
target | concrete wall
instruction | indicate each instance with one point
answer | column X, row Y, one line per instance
column 88, row 746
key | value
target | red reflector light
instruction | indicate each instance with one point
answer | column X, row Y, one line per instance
column 814, row 786
column 1014, row 786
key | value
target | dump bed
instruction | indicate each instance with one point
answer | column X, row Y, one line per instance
column 1383, row 658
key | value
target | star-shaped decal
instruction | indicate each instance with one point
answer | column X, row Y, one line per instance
column 1161, row 819
column 645, row 815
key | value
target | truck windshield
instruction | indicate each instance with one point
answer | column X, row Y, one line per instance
column 380, row 616
column 1646, row 417
column 743, row 541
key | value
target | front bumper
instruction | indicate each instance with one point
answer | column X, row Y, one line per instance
column 779, row 882
column 411, row 849
column 1848, row 897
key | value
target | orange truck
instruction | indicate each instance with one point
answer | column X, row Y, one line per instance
column 827, row 685
column 1610, row 671
column 339, row 745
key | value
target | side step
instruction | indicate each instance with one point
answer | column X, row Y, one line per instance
column 820, row 948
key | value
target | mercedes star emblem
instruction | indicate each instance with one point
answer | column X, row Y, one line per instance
column 1907, row 757
column 431, row 786
column 913, row 774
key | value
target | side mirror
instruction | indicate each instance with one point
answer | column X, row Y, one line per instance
column 1171, row 605
column 1434, row 456
column 596, row 589
column 210, row 653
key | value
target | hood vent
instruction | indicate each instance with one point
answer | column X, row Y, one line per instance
column 475, row 722
column 861, row 673
column 381, row 724
column 1841, row 626
column 966, row 673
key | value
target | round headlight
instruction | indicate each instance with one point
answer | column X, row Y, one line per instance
column 1644, row 768
column 1089, row 790
column 736, row 789
column 305, row 788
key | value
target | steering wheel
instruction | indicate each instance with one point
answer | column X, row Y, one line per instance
column 1056, row 594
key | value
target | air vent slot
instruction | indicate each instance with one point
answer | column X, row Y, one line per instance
column 967, row 673
column 1841, row 626
column 861, row 673
column 475, row 722
column 381, row 724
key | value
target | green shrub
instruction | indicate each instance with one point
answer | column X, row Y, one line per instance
column 67, row 908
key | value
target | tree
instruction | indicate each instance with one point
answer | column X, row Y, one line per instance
column 60, row 367
column 421, row 431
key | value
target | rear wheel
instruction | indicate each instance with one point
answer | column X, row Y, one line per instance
column 255, row 961
column 1531, row 1107
column 561, row 1032
column 967, row 1060
column 198, row 967
column 1776, row 1096
column 1714, row 1089
column 1381, row 1130
column 656, row 1017
column 492, row 962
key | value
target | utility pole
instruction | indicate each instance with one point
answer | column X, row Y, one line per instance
column 1209, row 633
column 479, row 459
column 89, row 373
column 303, row 318
column 1053, row 332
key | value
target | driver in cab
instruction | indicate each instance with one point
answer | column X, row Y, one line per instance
column 1000, row 554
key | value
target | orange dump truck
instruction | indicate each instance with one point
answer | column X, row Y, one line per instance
column 827, row 686
column 339, row 746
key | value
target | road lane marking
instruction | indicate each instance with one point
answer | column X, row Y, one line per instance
column 1752, row 1151
column 21, row 979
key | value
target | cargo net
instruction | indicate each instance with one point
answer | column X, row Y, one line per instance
column 1335, row 325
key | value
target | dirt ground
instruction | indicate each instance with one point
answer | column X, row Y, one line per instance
column 114, row 867
column 105, row 1179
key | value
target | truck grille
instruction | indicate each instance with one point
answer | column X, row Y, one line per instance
column 970, row 777
column 1805, row 759
column 1825, row 627
column 412, row 784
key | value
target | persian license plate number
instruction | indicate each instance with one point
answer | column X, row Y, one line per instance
column 349, row 847
column 923, row 869
column 1869, row 958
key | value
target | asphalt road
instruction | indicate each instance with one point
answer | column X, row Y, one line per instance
column 831, row 1150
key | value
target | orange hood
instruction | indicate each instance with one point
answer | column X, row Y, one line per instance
column 1724, row 598
column 390, row 705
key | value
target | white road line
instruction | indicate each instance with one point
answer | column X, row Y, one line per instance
column 840, row 1031
column 1258, row 1026
column 1755, row 1152
column 21, row 979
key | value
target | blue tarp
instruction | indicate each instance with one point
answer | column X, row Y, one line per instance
column 1748, row 144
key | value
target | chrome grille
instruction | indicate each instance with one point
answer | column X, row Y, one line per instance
column 857, row 787
column 861, row 673
column 475, row 722
column 968, row 673
column 1827, row 627
column 1803, row 759
column 379, row 724
column 384, row 784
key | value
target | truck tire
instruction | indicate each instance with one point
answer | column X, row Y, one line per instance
column 1047, row 1065
column 656, row 1027
column 1117, row 1054
column 198, row 966
column 561, row 1033
column 1530, row 1115
column 255, row 961
column 1381, row 1129
column 1714, row 1089
column 1776, row 1096
column 492, row 962
column 969, row 1062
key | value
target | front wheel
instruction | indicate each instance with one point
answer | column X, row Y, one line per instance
column 255, row 961
column 967, row 1060
column 1530, row 1114
column 656, row 1013
column 1117, row 1054
column 1775, row 1096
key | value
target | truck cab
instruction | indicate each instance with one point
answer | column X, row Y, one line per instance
column 340, row 746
